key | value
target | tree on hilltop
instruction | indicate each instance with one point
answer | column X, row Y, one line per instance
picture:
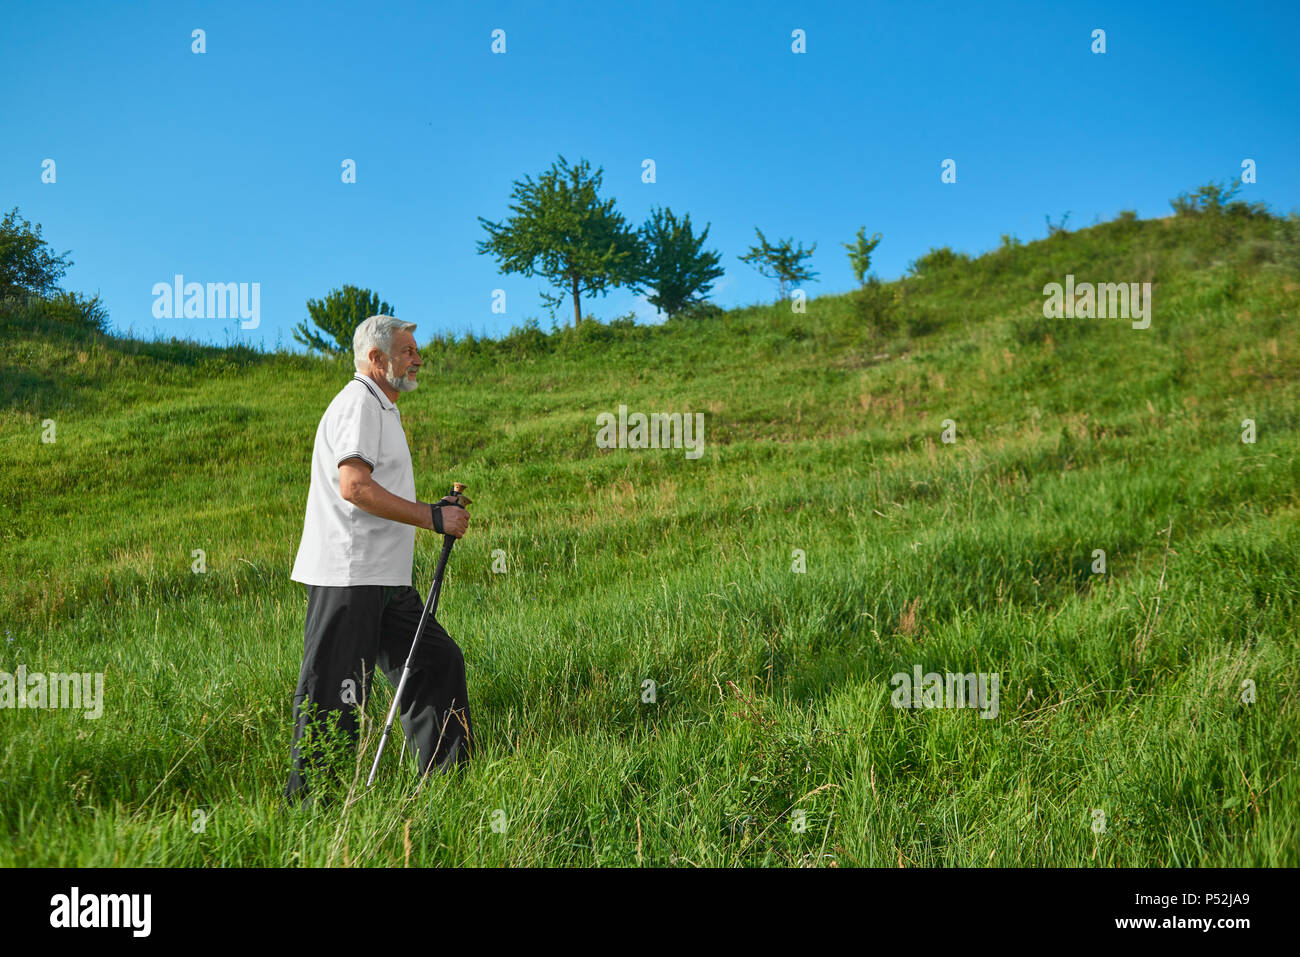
column 563, row 231
column 860, row 253
column 27, row 264
column 780, row 262
column 337, row 317
column 676, row 269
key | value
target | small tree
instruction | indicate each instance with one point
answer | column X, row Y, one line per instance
column 27, row 264
column 860, row 253
column 780, row 262
column 337, row 316
column 675, row 267
column 563, row 231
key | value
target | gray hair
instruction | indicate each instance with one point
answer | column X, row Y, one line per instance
column 375, row 333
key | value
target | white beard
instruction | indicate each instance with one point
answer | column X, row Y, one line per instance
column 401, row 383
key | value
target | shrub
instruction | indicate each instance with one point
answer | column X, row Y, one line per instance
column 1216, row 199
column 527, row 340
column 592, row 331
column 699, row 310
column 938, row 260
column 1057, row 229
column 74, row 309
column 876, row 306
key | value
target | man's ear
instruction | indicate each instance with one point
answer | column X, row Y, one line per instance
column 377, row 358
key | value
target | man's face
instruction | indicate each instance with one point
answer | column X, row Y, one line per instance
column 404, row 363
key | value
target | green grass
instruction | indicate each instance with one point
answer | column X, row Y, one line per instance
column 1120, row 692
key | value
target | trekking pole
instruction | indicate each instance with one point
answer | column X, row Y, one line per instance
column 430, row 609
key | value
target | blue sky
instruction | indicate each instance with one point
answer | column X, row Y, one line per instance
column 225, row 166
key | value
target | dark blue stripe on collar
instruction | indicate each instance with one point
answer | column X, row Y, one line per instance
column 371, row 386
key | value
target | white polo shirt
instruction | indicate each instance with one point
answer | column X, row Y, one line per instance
column 341, row 543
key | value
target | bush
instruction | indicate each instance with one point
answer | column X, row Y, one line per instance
column 699, row 310
column 71, row 308
column 938, row 260
column 1216, row 199
column 592, row 330
column 876, row 306
column 526, row 340
column 87, row 311
column 1212, row 221
column 1058, row 228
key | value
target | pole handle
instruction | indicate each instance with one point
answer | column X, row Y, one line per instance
column 458, row 493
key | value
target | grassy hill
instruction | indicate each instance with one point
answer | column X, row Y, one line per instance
column 1120, row 695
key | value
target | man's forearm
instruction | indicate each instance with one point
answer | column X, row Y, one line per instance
column 377, row 500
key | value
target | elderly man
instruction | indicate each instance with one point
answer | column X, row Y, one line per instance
column 358, row 542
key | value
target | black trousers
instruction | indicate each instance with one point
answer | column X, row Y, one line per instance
column 349, row 630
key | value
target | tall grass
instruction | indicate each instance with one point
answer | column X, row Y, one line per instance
column 771, row 739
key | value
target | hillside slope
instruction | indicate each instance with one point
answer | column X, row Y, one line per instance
column 1120, row 691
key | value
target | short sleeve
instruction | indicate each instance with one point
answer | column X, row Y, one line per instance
column 354, row 431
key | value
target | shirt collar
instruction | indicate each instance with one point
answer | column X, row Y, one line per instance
column 369, row 383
